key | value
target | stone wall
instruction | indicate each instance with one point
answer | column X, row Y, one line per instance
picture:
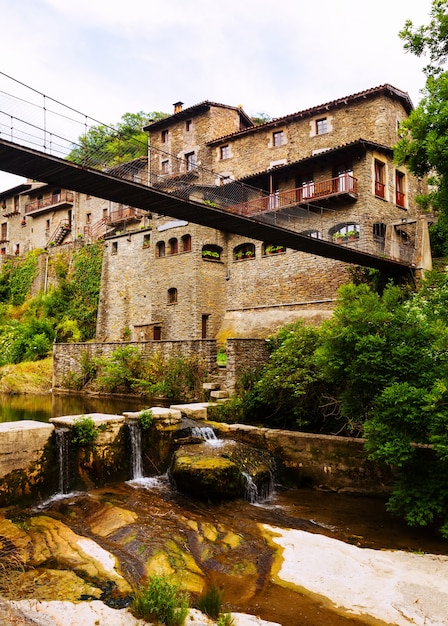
column 243, row 355
column 325, row 462
column 68, row 357
column 27, row 461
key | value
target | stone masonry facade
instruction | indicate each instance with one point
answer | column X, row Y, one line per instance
column 331, row 166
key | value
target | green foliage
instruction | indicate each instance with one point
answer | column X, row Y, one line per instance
column 145, row 418
column 431, row 39
column 17, row 278
column 84, row 430
column 225, row 620
column 121, row 371
column 210, row 602
column 106, row 146
column 174, row 377
column 162, row 601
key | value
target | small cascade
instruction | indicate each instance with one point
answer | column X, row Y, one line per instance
column 136, row 449
column 255, row 494
column 207, row 434
column 251, row 489
column 63, row 444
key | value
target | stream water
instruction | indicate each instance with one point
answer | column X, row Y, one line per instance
column 166, row 522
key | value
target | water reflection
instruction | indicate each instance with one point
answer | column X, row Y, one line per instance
column 42, row 407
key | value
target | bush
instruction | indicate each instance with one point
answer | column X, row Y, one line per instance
column 84, row 430
column 162, row 600
column 210, row 602
column 145, row 418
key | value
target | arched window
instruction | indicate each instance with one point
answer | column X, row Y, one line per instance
column 347, row 231
column 210, row 252
column 314, row 234
column 272, row 248
column 160, row 248
column 244, row 251
column 186, row 243
column 172, row 295
column 173, row 246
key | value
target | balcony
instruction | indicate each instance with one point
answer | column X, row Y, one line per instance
column 344, row 186
column 125, row 214
column 55, row 201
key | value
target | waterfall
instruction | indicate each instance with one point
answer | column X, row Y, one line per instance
column 255, row 494
column 136, row 449
column 251, row 489
column 207, row 434
column 63, row 444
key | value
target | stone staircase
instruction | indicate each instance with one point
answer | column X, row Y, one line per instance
column 215, row 387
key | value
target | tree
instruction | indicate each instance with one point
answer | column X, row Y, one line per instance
column 423, row 146
column 431, row 39
column 107, row 146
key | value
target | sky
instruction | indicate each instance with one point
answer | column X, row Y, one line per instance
column 105, row 58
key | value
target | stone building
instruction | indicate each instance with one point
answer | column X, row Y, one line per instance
column 327, row 172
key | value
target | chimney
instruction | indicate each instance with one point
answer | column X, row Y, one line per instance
column 177, row 107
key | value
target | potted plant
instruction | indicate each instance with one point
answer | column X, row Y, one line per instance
column 338, row 237
column 249, row 254
column 352, row 234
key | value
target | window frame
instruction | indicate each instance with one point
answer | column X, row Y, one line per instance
column 380, row 178
column 164, row 134
column 190, row 161
column 322, row 126
column 172, row 295
column 278, row 138
column 224, row 152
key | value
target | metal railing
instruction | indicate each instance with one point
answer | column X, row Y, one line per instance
column 34, row 120
column 64, row 197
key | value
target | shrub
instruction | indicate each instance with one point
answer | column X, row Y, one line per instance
column 145, row 418
column 162, row 600
column 84, row 430
column 210, row 602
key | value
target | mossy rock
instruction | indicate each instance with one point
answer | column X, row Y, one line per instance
column 206, row 477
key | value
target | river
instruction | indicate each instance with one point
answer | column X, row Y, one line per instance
column 166, row 521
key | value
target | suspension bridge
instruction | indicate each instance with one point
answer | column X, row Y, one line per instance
column 47, row 141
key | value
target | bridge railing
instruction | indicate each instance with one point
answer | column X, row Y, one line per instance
column 34, row 120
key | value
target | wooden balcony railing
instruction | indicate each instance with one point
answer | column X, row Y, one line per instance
column 64, row 198
column 400, row 199
column 345, row 184
column 127, row 213
column 380, row 189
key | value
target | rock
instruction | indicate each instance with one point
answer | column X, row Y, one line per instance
column 224, row 471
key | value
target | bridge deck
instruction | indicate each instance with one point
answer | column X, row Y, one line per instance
column 39, row 166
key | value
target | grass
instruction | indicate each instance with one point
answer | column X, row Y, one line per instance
column 161, row 601
column 210, row 602
column 27, row 377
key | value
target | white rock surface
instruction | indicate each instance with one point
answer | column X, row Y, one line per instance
column 399, row 588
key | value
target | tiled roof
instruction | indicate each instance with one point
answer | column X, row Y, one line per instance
column 368, row 93
column 194, row 110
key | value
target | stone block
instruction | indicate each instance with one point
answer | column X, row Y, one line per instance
column 21, row 444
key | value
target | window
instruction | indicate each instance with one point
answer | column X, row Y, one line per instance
column 278, row 138
column 321, row 126
column 4, row 235
column 173, row 246
column 190, row 159
column 188, row 125
column 204, row 325
column 17, row 250
column 380, row 179
column 172, row 295
column 47, row 224
column 272, row 248
column 314, row 234
column 114, row 247
column 224, row 152
column 165, row 167
column 379, row 231
column 146, row 240
column 56, row 196
column 160, row 248
column 348, row 231
column 211, row 252
column 157, row 333
column 399, row 189
column 244, row 251
column 164, row 136
column 88, row 218
column 3, row 251
column 186, row 243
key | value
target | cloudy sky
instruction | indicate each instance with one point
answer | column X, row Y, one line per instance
column 105, row 57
